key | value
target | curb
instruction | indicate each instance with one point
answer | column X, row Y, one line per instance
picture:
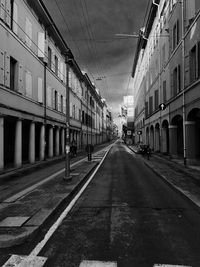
column 30, row 232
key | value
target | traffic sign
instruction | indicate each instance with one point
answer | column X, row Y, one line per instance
column 162, row 106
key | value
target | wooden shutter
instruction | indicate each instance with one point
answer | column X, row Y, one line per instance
column 41, row 44
column 20, row 85
column 49, row 96
column 2, row 67
column 28, row 82
column 3, row 8
column 64, row 104
column 8, row 13
column 53, row 99
column 7, row 70
column 59, row 101
column 40, row 90
column 61, row 70
column 53, row 61
column 15, row 18
column 70, row 110
column 28, row 29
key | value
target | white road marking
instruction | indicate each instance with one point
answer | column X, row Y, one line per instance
column 98, row 264
column 33, row 187
column 53, row 228
column 25, row 261
column 169, row 265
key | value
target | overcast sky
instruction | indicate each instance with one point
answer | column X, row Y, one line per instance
column 89, row 28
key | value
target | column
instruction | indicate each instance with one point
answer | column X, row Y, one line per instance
column 18, row 144
column 50, row 142
column 1, row 143
column 42, row 142
column 32, row 143
column 164, row 140
column 173, row 140
column 157, row 139
column 57, row 141
column 190, row 140
column 63, row 141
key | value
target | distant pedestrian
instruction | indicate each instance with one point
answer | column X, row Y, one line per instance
column 148, row 151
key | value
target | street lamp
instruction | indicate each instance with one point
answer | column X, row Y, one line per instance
column 68, row 57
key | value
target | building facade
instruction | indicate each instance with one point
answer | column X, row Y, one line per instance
column 33, row 84
column 166, row 79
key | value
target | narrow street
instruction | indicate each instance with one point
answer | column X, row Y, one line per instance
column 127, row 215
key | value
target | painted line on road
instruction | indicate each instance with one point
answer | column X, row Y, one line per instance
column 24, row 261
column 53, row 228
column 33, row 187
column 86, row 263
column 42, row 243
column 169, row 265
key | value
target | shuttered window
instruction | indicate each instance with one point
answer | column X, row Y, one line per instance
column 40, row 90
column 28, row 83
column 41, row 44
column 8, row 13
column 28, row 30
column 1, row 67
column 20, row 83
column 7, row 69
column 49, row 96
column 15, row 18
column 2, row 10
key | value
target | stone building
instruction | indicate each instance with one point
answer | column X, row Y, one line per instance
column 166, row 79
column 33, row 88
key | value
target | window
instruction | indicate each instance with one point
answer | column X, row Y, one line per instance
column 193, row 60
column 15, row 18
column 61, row 103
column 175, row 35
column 56, row 64
column 176, row 80
column 28, row 32
column 150, row 104
column 13, row 67
column 40, row 90
column 49, row 57
column 55, row 100
column 156, row 99
column 41, row 44
column 164, row 92
column 28, row 83
column 83, row 116
column 74, row 111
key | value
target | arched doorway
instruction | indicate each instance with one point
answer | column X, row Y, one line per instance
column 147, row 136
column 151, row 137
column 193, row 134
column 157, row 137
column 176, row 136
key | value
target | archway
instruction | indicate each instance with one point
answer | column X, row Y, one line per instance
column 176, row 136
column 165, row 137
column 157, row 137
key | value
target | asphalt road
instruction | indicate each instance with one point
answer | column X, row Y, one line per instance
column 127, row 215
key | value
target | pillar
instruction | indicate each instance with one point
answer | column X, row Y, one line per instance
column 1, row 143
column 157, row 139
column 57, row 141
column 32, row 143
column 42, row 142
column 164, row 140
column 18, row 144
column 50, row 142
column 173, row 140
column 190, row 140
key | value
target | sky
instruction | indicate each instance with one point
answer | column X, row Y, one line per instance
column 89, row 28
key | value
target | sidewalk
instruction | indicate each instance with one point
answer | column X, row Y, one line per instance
column 23, row 217
column 185, row 180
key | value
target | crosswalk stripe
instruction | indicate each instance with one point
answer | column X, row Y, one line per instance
column 23, row 261
column 169, row 265
column 98, row 264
